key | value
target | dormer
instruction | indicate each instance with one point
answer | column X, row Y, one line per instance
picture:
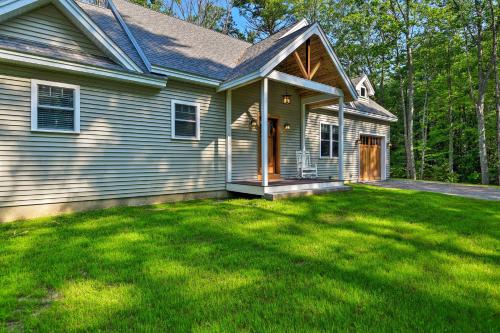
column 363, row 87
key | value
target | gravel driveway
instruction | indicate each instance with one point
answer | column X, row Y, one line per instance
column 471, row 191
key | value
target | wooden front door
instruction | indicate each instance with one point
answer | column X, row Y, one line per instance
column 370, row 149
column 273, row 149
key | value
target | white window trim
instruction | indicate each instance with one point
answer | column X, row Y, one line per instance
column 330, row 156
column 34, row 106
column 172, row 112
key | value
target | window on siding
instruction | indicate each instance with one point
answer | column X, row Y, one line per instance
column 185, row 120
column 329, row 140
column 55, row 107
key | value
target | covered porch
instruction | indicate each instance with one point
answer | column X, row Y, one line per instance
column 269, row 121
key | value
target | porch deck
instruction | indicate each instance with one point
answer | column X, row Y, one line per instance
column 284, row 188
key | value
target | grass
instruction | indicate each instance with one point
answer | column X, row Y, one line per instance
column 373, row 259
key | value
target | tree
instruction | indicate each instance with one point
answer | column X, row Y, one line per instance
column 405, row 14
column 264, row 17
column 494, row 14
column 474, row 22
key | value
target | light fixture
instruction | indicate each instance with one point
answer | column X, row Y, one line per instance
column 253, row 123
column 389, row 145
column 286, row 99
column 287, row 126
column 357, row 141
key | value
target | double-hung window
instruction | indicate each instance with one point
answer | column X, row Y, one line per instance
column 55, row 107
column 185, row 120
column 329, row 141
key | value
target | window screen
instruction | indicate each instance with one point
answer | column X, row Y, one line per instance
column 186, row 120
column 329, row 145
column 55, row 108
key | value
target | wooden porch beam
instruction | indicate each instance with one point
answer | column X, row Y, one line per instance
column 306, row 84
column 308, row 58
column 301, row 65
column 321, row 104
column 314, row 70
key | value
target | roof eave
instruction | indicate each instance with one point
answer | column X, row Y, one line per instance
column 19, row 58
column 362, row 114
column 184, row 76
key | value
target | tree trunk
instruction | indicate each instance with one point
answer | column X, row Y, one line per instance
column 403, row 105
column 451, row 162
column 497, row 84
column 410, row 110
column 483, row 153
column 482, row 80
column 424, row 124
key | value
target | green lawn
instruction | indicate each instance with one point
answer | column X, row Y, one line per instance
column 368, row 260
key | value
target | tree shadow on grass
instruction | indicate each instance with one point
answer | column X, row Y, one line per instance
column 242, row 265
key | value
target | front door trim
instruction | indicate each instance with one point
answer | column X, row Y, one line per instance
column 278, row 151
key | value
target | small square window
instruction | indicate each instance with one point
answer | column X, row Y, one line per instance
column 185, row 120
column 363, row 92
column 55, row 107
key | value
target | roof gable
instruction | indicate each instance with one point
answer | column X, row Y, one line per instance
column 363, row 81
column 258, row 63
column 47, row 25
column 75, row 14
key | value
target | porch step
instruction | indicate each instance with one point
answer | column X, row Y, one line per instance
column 302, row 193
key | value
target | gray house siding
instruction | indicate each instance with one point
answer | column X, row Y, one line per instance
column 48, row 25
column 124, row 149
column 353, row 127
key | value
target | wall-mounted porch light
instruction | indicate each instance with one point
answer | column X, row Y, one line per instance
column 286, row 126
column 253, row 123
column 286, row 99
column 389, row 145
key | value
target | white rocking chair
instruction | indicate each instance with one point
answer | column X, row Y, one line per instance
column 305, row 169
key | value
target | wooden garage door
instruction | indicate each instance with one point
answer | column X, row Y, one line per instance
column 369, row 164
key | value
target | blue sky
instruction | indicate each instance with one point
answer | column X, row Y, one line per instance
column 241, row 22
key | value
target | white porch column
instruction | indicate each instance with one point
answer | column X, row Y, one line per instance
column 264, row 91
column 341, row 138
column 229, row 144
column 302, row 126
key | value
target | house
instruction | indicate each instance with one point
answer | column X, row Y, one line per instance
column 107, row 103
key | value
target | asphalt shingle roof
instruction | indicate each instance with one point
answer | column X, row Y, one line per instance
column 173, row 43
column 105, row 20
column 369, row 106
